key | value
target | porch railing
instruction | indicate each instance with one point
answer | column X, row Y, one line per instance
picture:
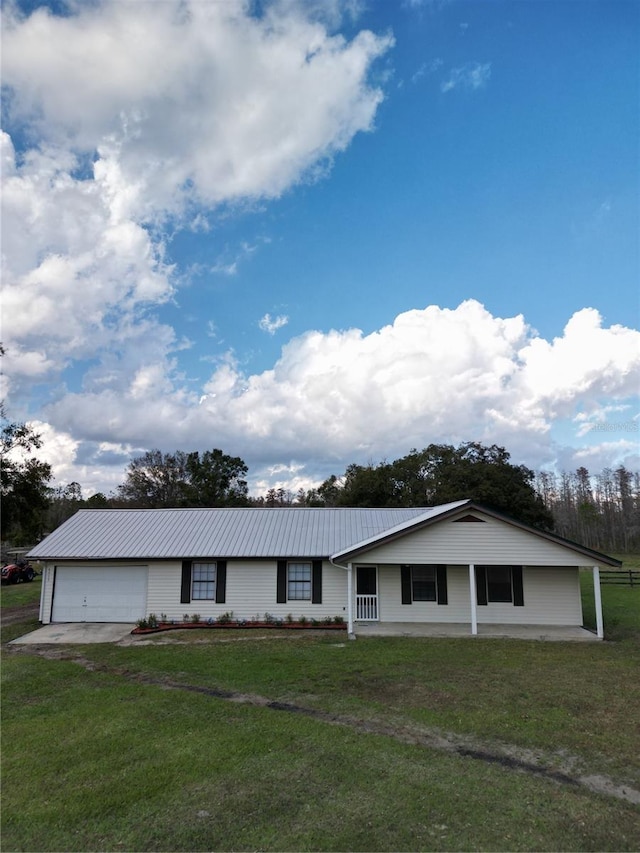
column 367, row 608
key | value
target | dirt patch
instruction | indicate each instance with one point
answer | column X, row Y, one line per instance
column 21, row 613
column 560, row 767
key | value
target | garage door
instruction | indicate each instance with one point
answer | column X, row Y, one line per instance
column 86, row 594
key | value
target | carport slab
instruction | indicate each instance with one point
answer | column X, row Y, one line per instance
column 76, row 632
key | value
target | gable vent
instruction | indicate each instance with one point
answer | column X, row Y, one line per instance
column 468, row 518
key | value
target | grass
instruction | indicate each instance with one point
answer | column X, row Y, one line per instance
column 16, row 595
column 97, row 758
column 154, row 769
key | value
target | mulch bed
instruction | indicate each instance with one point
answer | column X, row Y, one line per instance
column 298, row 626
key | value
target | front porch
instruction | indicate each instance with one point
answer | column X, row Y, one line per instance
column 553, row 633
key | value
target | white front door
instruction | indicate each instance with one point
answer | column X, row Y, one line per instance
column 91, row 594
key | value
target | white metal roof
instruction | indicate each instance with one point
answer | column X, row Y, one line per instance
column 186, row 533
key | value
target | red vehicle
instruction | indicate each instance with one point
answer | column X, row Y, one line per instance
column 20, row 572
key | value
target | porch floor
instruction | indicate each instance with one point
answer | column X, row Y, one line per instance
column 554, row 633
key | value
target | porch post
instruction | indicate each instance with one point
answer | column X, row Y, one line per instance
column 472, row 596
column 350, row 599
column 598, row 602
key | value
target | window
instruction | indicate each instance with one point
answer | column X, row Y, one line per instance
column 299, row 581
column 500, row 585
column 203, row 581
column 423, row 583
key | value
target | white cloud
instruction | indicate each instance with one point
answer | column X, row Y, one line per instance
column 193, row 100
column 146, row 114
column 271, row 324
column 472, row 76
column 333, row 398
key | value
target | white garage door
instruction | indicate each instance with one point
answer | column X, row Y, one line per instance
column 89, row 594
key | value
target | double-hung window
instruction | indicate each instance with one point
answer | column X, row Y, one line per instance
column 299, row 581
column 423, row 583
column 203, row 581
column 500, row 585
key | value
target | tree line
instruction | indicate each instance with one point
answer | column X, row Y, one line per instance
column 601, row 511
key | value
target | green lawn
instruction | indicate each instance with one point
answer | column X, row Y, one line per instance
column 112, row 752
column 14, row 595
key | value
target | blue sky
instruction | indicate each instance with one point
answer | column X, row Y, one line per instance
column 313, row 234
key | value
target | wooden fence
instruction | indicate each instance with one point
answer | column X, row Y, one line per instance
column 625, row 577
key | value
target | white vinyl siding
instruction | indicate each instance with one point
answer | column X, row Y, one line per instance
column 391, row 608
column 250, row 591
column 493, row 542
column 551, row 597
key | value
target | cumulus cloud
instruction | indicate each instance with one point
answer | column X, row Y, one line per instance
column 332, row 398
column 139, row 113
column 196, row 100
column 472, row 76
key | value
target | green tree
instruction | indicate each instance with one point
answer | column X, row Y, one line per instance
column 65, row 501
column 23, row 483
column 216, row 479
column 97, row 501
column 158, row 479
column 442, row 473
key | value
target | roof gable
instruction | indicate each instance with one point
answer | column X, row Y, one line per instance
column 374, row 547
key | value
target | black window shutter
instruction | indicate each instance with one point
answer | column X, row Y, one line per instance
column 481, row 584
column 281, row 584
column 441, row 577
column 316, row 582
column 518, row 592
column 405, row 584
column 185, row 587
column 221, row 581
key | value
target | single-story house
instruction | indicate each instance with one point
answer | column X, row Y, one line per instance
column 455, row 563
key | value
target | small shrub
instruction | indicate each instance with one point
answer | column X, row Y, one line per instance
column 152, row 620
column 142, row 623
column 339, row 620
column 269, row 618
column 195, row 618
column 314, row 621
column 225, row 618
column 185, row 617
column 289, row 618
column 303, row 620
column 163, row 617
column 327, row 620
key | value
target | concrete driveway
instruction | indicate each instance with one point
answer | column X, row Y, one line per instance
column 76, row 632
